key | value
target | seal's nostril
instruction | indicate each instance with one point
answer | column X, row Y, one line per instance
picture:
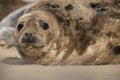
column 28, row 34
column 29, row 37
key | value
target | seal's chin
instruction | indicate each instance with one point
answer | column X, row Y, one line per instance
column 32, row 52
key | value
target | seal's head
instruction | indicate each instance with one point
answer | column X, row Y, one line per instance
column 35, row 35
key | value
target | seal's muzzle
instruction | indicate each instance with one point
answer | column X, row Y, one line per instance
column 29, row 38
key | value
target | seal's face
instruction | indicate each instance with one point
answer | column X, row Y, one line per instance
column 35, row 32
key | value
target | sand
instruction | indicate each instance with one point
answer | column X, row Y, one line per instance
column 14, row 68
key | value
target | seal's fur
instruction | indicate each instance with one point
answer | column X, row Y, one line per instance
column 70, row 32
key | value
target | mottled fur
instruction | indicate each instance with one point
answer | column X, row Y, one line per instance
column 81, row 32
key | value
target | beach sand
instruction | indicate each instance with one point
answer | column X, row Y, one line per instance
column 14, row 68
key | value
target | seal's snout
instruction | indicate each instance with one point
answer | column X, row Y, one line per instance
column 29, row 38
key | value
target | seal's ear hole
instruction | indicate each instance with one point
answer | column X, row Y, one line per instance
column 20, row 26
column 116, row 50
column 43, row 24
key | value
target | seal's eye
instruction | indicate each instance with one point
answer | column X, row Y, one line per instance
column 44, row 25
column 20, row 26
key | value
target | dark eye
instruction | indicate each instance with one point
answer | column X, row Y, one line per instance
column 20, row 26
column 44, row 25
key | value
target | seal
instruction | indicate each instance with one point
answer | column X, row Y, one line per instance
column 68, row 32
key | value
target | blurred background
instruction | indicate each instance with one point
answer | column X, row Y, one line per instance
column 7, row 6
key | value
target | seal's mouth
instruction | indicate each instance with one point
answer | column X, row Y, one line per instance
column 30, row 45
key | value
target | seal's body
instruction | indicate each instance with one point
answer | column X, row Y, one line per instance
column 69, row 32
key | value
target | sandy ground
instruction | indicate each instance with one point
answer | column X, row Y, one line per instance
column 14, row 68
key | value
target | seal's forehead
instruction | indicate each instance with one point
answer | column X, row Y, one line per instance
column 35, row 15
column 24, row 17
